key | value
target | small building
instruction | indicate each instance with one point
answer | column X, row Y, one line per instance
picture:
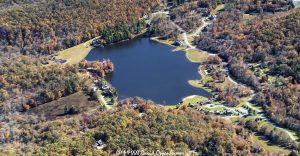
column 97, row 43
column 218, row 112
column 105, row 87
column 135, row 106
column 242, row 111
column 178, row 43
column 212, row 17
column 98, row 144
column 205, row 29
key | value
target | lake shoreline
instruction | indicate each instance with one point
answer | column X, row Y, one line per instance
column 144, row 51
column 187, row 51
column 79, row 52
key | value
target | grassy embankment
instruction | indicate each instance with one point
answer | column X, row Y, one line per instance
column 169, row 43
column 268, row 146
column 75, row 54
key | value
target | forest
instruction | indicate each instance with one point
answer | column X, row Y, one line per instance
column 269, row 43
column 25, row 83
column 56, row 25
column 146, row 127
column 262, row 53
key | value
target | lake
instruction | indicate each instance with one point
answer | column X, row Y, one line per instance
column 150, row 70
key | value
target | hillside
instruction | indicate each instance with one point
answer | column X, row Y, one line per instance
column 25, row 84
column 247, row 53
column 146, row 128
column 42, row 27
column 264, row 54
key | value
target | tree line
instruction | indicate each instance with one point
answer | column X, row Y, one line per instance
column 56, row 25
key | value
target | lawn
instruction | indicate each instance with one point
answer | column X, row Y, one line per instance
column 267, row 146
column 75, row 54
column 219, row 7
column 194, row 99
column 219, row 108
column 198, row 84
column 168, row 41
column 196, row 56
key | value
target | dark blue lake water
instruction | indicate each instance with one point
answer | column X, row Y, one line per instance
column 150, row 70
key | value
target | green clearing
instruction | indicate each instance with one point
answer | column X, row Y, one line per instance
column 198, row 84
column 218, row 109
column 194, row 99
column 180, row 49
column 188, row 100
column 75, row 54
column 167, row 42
column 262, row 122
column 196, row 56
column 267, row 146
column 107, row 99
column 219, row 7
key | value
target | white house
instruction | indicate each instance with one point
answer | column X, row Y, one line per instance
column 296, row 2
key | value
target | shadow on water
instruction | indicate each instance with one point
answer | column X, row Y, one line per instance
column 150, row 70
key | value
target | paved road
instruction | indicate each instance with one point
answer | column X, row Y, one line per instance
column 251, row 106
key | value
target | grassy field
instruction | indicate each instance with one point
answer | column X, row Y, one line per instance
column 198, row 84
column 219, row 7
column 56, row 108
column 267, row 146
column 75, row 54
column 194, row 99
column 167, row 42
column 196, row 56
column 78, row 53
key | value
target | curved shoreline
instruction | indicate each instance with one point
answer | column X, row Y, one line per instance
column 79, row 52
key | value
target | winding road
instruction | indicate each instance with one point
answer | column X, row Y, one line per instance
column 197, row 32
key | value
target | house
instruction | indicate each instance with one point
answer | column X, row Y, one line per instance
column 135, row 106
column 105, row 87
column 98, row 144
column 94, row 88
column 212, row 17
column 177, row 43
column 97, row 43
column 242, row 111
column 191, row 105
column 205, row 29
